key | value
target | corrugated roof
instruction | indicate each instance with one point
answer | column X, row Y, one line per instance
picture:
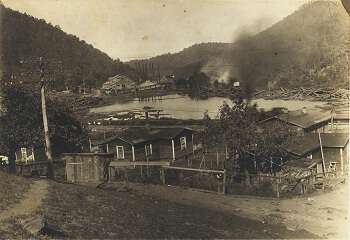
column 303, row 145
column 140, row 135
column 305, row 119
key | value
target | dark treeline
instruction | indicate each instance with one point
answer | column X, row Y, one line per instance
column 70, row 62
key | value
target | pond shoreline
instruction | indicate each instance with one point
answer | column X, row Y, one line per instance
column 183, row 107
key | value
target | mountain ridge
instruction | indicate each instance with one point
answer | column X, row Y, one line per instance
column 70, row 62
column 287, row 53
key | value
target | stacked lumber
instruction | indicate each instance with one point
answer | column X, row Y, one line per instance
column 303, row 93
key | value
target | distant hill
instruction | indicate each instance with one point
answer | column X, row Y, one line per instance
column 70, row 62
column 307, row 48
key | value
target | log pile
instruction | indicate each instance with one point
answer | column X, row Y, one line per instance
column 76, row 102
column 303, row 93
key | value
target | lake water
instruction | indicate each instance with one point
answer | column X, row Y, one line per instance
column 183, row 107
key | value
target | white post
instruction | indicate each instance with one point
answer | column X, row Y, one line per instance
column 173, row 147
column 90, row 144
column 341, row 162
column 107, row 148
column 50, row 171
column 133, row 153
column 192, row 145
column 33, row 153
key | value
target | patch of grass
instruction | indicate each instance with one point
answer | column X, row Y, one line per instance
column 12, row 189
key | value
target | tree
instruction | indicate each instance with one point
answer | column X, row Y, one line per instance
column 212, row 136
column 22, row 126
column 19, row 123
column 238, row 122
column 198, row 82
column 269, row 151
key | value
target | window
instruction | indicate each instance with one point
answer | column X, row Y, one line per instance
column 148, row 149
column 332, row 166
column 120, row 152
column 183, row 143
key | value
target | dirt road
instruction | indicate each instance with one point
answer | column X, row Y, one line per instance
column 324, row 214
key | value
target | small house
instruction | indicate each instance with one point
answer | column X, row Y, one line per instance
column 29, row 154
column 25, row 154
column 302, row 121
column 334, row 149
column 167, row 82
column 149, row 144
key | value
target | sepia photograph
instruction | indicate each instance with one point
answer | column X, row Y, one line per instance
column 174, row 119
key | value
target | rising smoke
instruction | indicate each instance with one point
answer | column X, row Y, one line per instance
column 240, row 62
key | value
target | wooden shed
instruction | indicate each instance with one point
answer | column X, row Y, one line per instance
column 86, row 167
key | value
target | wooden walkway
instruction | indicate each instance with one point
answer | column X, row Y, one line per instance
column 138, row 163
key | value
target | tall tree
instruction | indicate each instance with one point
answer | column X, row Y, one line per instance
column 22, row 125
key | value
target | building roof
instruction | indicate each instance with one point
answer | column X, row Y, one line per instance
column 147, row 83
column 302, row 145
column 135, row 136
column 117, row 79
column 305, row 118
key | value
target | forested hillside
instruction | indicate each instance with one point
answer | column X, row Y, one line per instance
column 69, row 61
column 307, row 48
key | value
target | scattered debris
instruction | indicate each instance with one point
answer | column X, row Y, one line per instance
column 33, row 224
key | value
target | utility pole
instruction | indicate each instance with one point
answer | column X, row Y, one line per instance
column 323, row 162
column 50, row 170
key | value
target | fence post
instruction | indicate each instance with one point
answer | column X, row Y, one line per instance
column 162, row 175
column 224, row 183
column 277, row 186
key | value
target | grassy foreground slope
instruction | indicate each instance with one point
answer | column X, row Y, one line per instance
column 86, row 212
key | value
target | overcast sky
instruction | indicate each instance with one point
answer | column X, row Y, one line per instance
column 129, row 29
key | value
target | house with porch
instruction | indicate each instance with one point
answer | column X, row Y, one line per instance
column 148, row 144
column 334, row 151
